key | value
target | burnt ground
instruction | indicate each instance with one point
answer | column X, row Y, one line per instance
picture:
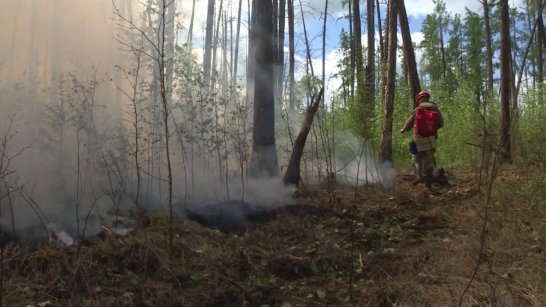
column 365, row 247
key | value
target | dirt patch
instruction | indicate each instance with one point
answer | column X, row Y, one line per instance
column 290, row 269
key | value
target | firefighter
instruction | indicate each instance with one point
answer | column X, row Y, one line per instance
column 425, row 119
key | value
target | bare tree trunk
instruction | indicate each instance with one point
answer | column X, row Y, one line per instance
column 208, row 42
column 264, row 154
column 236, row 54
column 156, row 151
column 488, row 51
column 251, row 60
column 137, row 131
column 442, row 44
column 292, row 174
column 275, row 53
column 505, row 85
column 307, row 44
column 386, row 140
column 280, row 53
column 409, row 54
column 541, row 43
column 213, row 68
column 357, row 35
column 382, row 51
column 190, row 28
column 237, row 37
column 370, row 68
column 291, row 59
column 324, row 44
column 352, row 50
column 364, row 113
column 170, row 40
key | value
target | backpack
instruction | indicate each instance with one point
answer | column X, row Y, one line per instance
column 426, row 121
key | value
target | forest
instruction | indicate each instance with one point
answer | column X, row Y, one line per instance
column 260, row 153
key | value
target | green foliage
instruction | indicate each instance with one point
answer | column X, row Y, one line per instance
column 530, row 127
column 434, row 27
column 453, row 69
column 474, row 42
column 306, row 88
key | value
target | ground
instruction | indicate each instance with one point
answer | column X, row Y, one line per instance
column 366, row 247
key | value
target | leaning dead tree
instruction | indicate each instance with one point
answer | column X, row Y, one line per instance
column 292, row 174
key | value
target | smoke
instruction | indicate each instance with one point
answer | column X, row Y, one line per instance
column 354, row 160
column 68, row 136
column 60, row 115
column 356, row 164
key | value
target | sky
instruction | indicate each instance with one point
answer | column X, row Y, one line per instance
column 416, row 11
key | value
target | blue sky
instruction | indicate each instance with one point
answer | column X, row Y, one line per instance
column 416, row 10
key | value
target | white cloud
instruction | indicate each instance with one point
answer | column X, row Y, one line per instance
column 417, row 37
column 200, row 17
column 420, row 8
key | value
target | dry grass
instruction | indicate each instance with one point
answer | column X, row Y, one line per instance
column 404, row 247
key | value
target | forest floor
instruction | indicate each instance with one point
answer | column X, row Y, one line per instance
column 369, row 247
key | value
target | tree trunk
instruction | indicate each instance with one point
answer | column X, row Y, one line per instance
column 352, row 49
column 325, row 16
column 382, row 52
column 250, row 61
column 505, row 85
column 357, row 36
column 213, row 71
column 292, row 174
column 264, row 154
column 209, row 33
column 309, row 64
column 162, row 65
column 370, row 68
column 488, row 52
column 291, row 59
column 170, row 40
column 275, row 53
column 541, row 43
column 409, row 54
column 190, row 28
column 280, row 54
column 361, row 108
column 442, row 44
column 236, row 54
column 386, row 140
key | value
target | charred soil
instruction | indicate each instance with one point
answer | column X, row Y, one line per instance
column 369, row 246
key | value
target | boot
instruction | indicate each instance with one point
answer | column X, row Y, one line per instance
column 441, row 178
column 417, row 173
column 428, row 178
